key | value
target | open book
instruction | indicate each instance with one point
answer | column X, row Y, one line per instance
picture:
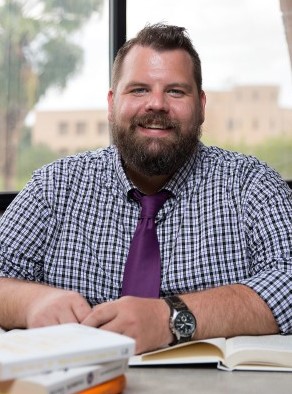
column 35, row 350
column 267, row 352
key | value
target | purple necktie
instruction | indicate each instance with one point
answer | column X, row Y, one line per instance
column 142, row 270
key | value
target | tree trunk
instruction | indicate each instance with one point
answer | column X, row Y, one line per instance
column 11, row 137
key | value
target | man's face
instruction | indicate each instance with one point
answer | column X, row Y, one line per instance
column 155, row 110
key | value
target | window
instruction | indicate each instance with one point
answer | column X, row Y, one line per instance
column 74, row 61
column 230, row 125
column 53, row 63
column 80, row 128
column 63, row 128
column 244, row 77
column 102, row 129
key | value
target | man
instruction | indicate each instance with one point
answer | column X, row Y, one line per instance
column 225, row 231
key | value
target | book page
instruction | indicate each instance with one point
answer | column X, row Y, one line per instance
column 251, row 367
column 272, row 350
column 195, row 352
column 35, row 350
column 57, row 340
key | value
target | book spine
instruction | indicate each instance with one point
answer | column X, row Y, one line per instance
column 21, row 369
column 114, row 386
column 89, row 379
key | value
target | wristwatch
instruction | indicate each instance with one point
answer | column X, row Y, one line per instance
column 182, row 322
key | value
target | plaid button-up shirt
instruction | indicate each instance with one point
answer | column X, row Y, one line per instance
column 229, row 221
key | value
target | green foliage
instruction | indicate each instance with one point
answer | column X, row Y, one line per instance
column 71, row 13
column 29, row 160
column 37, row 52
column 60, row 55
column 25, row 140
column 37, row 49
column 276, row 152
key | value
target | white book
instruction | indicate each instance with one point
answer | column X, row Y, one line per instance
column 35, row 350
column 266, row 352
column 66, row 381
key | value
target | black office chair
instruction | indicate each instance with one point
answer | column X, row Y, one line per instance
column 6, row 198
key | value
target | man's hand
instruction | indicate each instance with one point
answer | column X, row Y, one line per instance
column 27, row 304
column 224, row 311
column 56, row 306
column 144, row 319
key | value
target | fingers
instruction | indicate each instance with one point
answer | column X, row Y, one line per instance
column 145, row 320
column 101, row 315
column 57, row 306
column 80, row 308
column 68, row 315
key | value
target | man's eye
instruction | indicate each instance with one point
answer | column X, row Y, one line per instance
column 176, row 92
column 139, row 91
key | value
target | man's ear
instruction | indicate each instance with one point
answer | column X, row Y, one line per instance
column 110, row 104
column 203, row 99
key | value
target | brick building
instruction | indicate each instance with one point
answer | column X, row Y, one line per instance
column 248, row 114
column 68, row 132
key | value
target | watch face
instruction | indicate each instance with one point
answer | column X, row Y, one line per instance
column 185, row 323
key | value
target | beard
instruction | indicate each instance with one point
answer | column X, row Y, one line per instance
column 153, row 155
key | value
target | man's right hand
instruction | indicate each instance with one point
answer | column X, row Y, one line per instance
column 29, row 304
column 57, row 306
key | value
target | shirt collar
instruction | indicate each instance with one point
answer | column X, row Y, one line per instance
column 176, row 184
column 187, row 173
column 124, row 184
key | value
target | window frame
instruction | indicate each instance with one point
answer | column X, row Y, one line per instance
column 117, row 37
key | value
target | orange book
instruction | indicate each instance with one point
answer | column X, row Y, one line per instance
column 113, row 386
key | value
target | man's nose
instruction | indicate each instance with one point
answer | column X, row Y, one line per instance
column 157, row 101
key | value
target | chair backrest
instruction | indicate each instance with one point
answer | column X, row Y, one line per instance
column 6, row 198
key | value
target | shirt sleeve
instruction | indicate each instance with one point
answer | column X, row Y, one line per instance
column 23, row 233
column 268, row 213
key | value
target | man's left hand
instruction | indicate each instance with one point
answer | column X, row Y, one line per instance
column 144, row 319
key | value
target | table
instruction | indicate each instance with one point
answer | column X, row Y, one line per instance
column 205, row 380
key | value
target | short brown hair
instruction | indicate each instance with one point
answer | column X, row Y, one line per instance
column 159, row 37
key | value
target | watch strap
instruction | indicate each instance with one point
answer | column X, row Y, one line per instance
column 176, row 304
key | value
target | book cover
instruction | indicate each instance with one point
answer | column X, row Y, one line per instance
column 66, row 381
column 266, row 352
column 114, row 386
column 31, row 351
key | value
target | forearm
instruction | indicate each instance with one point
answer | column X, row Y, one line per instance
column 230, row 311
column 28, row 304
column 220, row 312
column 16, row 297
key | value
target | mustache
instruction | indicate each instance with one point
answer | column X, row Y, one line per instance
column 147, row 120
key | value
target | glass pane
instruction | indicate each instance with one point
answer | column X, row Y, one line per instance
column 246, row 71
column 54, row 83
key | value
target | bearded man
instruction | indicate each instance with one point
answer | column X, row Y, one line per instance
column 215, row 258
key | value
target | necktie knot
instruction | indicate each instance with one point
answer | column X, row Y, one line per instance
column 151, row 204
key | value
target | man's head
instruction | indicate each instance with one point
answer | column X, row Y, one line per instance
column 161, row 38
column 156, row 104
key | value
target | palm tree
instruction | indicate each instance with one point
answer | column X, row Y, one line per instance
column 37, row 52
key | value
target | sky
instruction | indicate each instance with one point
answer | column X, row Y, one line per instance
column 240, row 42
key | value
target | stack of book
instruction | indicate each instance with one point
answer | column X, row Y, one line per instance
column 64, row 359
